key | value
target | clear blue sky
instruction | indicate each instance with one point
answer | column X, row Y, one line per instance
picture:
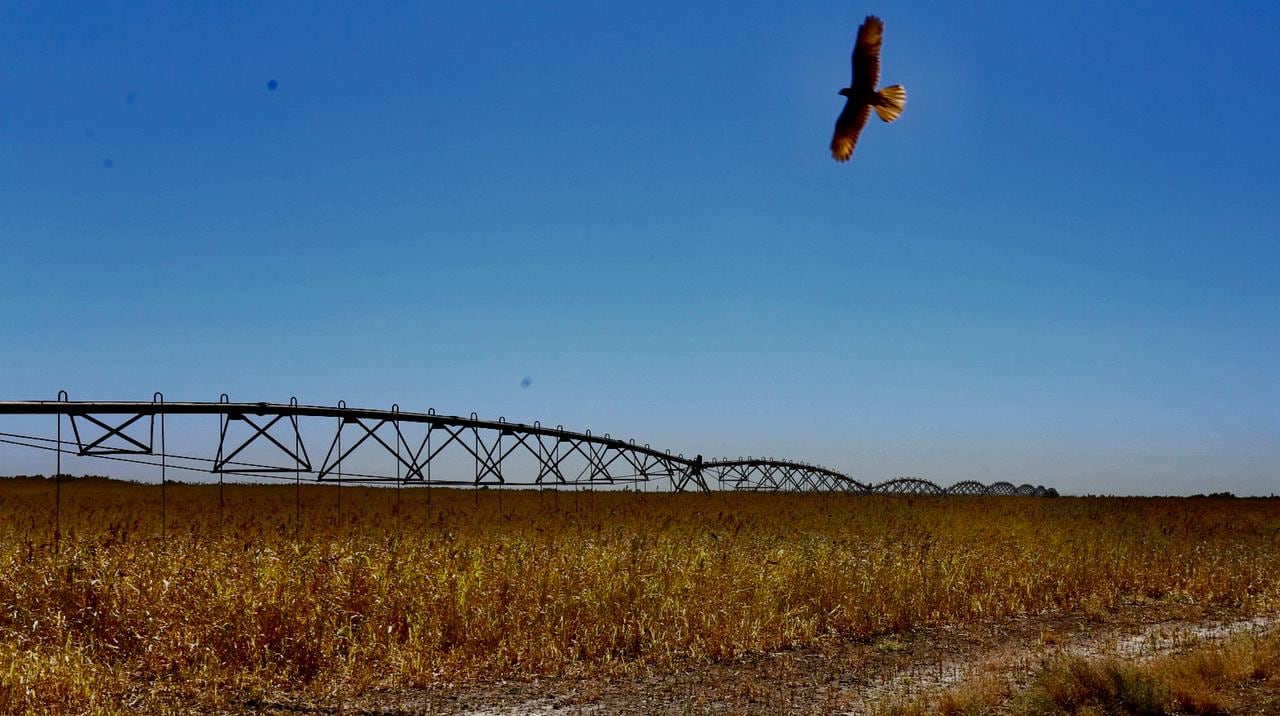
column 1060, row 266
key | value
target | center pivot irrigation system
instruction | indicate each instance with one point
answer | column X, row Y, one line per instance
column 265, row 440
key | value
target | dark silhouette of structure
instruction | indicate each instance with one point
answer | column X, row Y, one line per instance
column 426, row 448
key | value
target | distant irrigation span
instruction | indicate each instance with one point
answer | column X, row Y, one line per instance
column 362, row 445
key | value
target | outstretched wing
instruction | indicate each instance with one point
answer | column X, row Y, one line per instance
column 848, row 126
column 866, row 55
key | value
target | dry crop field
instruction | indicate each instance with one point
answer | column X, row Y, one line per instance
column 396, row 590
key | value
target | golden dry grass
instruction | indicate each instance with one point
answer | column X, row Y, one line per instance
column 1198, row 682
column 1207, row 680
column 415, row 588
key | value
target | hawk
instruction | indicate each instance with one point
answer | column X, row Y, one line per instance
column 861, row 96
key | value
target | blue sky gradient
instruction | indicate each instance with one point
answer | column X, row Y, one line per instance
column 1061, row 266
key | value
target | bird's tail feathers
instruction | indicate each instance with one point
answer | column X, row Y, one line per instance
column 890, row 102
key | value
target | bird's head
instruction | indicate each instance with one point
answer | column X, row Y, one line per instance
column 846, row 92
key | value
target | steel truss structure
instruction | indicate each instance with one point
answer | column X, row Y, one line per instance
column 496, row 453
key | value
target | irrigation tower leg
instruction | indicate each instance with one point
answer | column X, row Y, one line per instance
column 57, row 491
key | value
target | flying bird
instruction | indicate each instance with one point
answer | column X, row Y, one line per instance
column 861, row 95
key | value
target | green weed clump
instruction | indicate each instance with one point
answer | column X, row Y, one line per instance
column 410, row 588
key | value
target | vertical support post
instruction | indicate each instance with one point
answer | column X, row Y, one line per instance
column 475, row 433
column 57, row 482
column 497, row 465
column 430, row 427
column 224, row 422
column 644, row 484
column 297, row 472
column 591, row 472
column 395, row 410
column 341, row 404
column 164, row 478
column 542, row 462
column 671, row 474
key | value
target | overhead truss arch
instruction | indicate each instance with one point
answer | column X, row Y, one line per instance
column 411, row 444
